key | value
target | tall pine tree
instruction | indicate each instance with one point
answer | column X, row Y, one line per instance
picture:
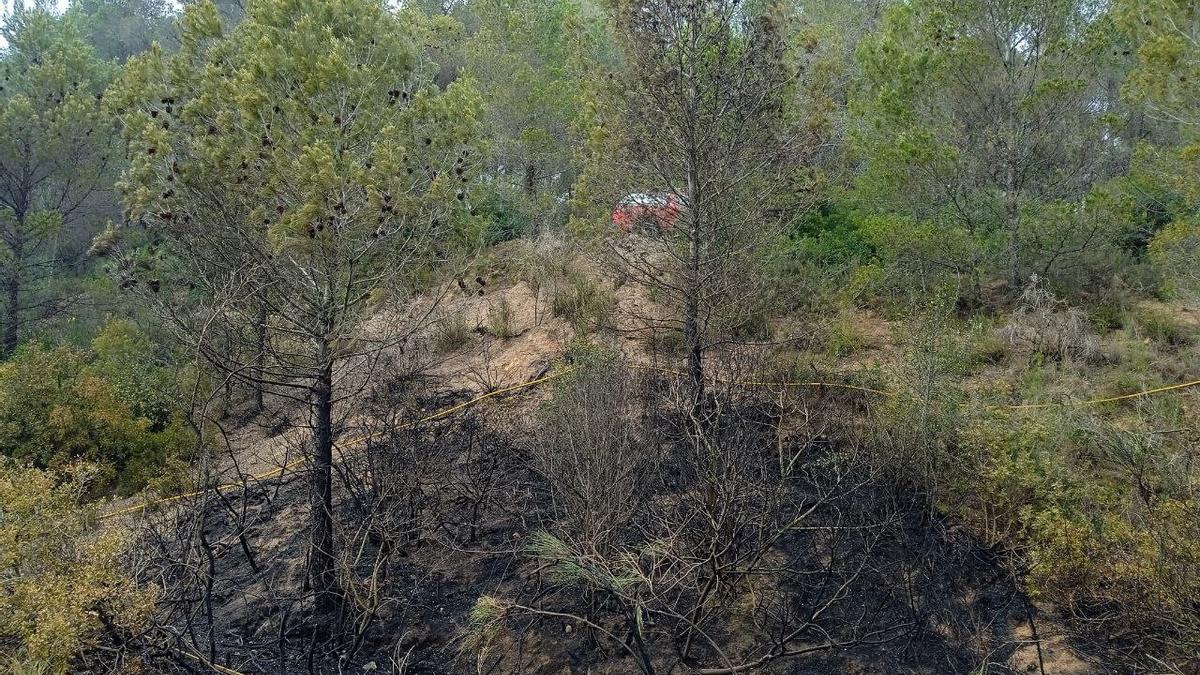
column 295, row 176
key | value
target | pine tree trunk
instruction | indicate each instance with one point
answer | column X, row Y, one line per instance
column 1012, row 206
column 12, row 290
column 1013, row 217
column 691, row 324
column 260, row 359
column 12, row 318
column 321, row 557
column 530, row 179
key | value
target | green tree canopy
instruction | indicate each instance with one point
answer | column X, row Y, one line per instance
column 119, row 29
column 55, row 161
column 1167, row 82
column 531, row 58
column 977, row 116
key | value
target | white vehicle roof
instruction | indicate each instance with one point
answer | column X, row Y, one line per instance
column 645, row 198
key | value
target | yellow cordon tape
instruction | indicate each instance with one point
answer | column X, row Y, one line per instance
column 478, row 399
column 215, row 667
column 1096, row 401
column 346, row 444
column 768, row 384
column 881, row 392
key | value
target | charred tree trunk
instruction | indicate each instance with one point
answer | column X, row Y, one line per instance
column 691, row 323
column 321, row 557
column 260, row 358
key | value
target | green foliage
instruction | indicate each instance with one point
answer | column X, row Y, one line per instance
column 129, row 363
column 918, row 427
column 1167, row 76
column 504, row 217
column 1104, row 512
column 215, row 114
column 529, row 57
column 64, row 578
column 964, row 126
column 110, row 406
column 582, row 301
column 842, row 337
column 916, row 258
column 119, row 29
column 830, row 235
column 1176, row 250
column 56, row 160
column 1166, row 82
column 1015, row 472
column 1160, row 327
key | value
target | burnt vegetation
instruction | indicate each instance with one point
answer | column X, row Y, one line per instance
column 599, row 336
column 610, row 524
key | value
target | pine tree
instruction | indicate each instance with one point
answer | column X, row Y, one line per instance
column 984, row 117
column 1167, row 82
column 296, row 177
column 56, row 161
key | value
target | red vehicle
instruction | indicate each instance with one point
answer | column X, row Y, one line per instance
column 647, row 210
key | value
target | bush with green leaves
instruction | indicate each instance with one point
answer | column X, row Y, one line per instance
column 831, row 235
column 917, row 258
column 108, row 405
column 64, row 582
column 1101, row 510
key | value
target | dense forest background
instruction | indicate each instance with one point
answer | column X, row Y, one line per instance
column 658, row 336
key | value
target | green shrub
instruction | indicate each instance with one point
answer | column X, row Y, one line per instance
column 126, row 359
column 451, row 332
column 1174, row 251
column 505, row 219
column 829, row 236
column 1161, row 327
column 1104, row 513
column 1107, row 316
column 583, row 302
column 63, row 404
column 841, row 337
column 501, row 321
column 983, row 345
column 61, row 572
column 920, row 258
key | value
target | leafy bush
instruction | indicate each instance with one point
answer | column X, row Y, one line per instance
column 1175, row 250
column 1013, row 469
column 504, row 219
column 1162, row 329
column 63, row 577
column 59, row 405
column 919, row 258
column 1105, row 514
column 829, row 236
column 126, row 359
column 842, row 337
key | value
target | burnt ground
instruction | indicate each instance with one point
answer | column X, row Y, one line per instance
column 430, row 520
